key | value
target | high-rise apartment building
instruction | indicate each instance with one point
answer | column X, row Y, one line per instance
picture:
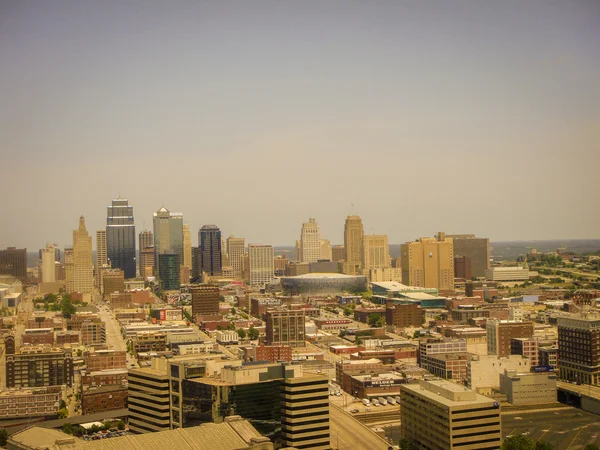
column 48, row 264
column 476, row 249
column 500, row 333
column 13, row 261
column 83, row 266
column 168, row 236
column 441, row 415
column 187, row 246
column 209, row 238
column 101, row 251
column 376, row 251
column 428, row 262
column 305, row 412
column 579, row 349
column 285, row 327
column 168, row 271
column 205, row 300
column 120, row 237
column 326, row 250
column 353, row 244
column 146, row 239
column 310, row 241
column 260, row 258
column 236, row 250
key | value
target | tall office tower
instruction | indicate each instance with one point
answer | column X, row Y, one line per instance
column 196, row 263
column 285, row 327
column 56, row 253
column 169, row 273
column 310, row 241
column 209, row 238
column 440, row 415
column 187, row 246
column 224, row 253
column 13, row 261
column 501, row 332
column 236, row 250
column 48, row 264
column 353, row 242
column 262, row 266
column 101, row 254
column 145, row 239
column 69, row 270
column 326, row 250
column 147, row 262
column 578, row 343
column 83, row 266
column 338, row 253
column 376, row 251
column 428, row 262
column 205, row 300
column 477, row 249
column 305, row 412
column 298, row 251
column 168, row 235
column 120, row 237
column 148, row 398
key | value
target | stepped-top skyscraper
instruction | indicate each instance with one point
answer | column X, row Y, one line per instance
column 310, row 241
column 168, row 235
column 83, row 266
column 353, row 243
column 120, row 237
column 209, row 238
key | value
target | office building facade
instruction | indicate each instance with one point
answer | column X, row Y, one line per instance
column 310, row 241
column 353, row 244
column 145, row 239
column 500, row 334
column 260, row 259
column 209, row 238
column 168, row 236
column 168, row 271
column 13, row 261
column 205, row 300
column 376, row 251
column 236, row 247
column 579, row 349
column 285, row 327
column 39, row 366
column 477, row 250
column 120, row 237
column 83, row 266
column 428, row 262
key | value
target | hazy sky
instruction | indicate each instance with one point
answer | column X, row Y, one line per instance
column 459, row 116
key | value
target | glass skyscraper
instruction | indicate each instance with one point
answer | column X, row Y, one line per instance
column 209, row 238
column 120, row 237
column 168, row 235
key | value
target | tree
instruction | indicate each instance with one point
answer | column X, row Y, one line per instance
column 347, row 311
column 233, row 311
column 543, row 445
column 62, row 404
column 231, row 326
column 3, row 437
column 405, row 444
column 67, row 307
column 241, row 333
column 252, row 333
column 63, row 413
column 375, row 320
column 416, row 334
column 517, row 442
column 591, row 447
column 68, row 428
column 120, row 425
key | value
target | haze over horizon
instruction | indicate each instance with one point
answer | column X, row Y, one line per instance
column 463, row 117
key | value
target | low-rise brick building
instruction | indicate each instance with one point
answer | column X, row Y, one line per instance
column 34, row 336
column 103, row 398
column 106, row 359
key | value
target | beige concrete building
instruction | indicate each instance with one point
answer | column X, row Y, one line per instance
column 528, row 388
column 146, row 239
column 507, row 274
column 83, row 267
column 440, row 415
column 353, row 244
column 236, row 248
column 147, row 262
column 101, row 253
column 338, row 253
column 149, row 402
column 48, row 264
column 376, row 251
column 69, row 270
column 285, row 327
column 310, row 241
column 260, row 259
column 385, row 274
column 483, row 371
column 428, row 262
column 326, row 250
column 113, row 280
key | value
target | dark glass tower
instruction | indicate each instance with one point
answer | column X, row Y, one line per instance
column 120, row 237
column 209, row 238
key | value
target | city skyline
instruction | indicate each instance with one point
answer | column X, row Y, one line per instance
column 469, row 117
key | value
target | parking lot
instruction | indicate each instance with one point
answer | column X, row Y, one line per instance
column 569, row 428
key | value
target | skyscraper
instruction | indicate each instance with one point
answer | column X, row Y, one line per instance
column 13, row 261
column 260, row 259
column 169, row 274
column 428, row 262
column 209, row 238
column 187, row 246
column 376, row 252
column 83, row 267
column 353, row 244
column 310, row 241
column 146, row 239
column 168, row 235
column 476, row 249
column 48, row 264
column 236, row 250
column 326, row 252
column 120, row 237
column 101, row 256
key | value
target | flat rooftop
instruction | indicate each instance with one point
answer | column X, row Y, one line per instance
column 446, row 393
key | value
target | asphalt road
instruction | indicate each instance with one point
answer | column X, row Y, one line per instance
column 569, row 429
column 585, row 389
column 349, row 434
